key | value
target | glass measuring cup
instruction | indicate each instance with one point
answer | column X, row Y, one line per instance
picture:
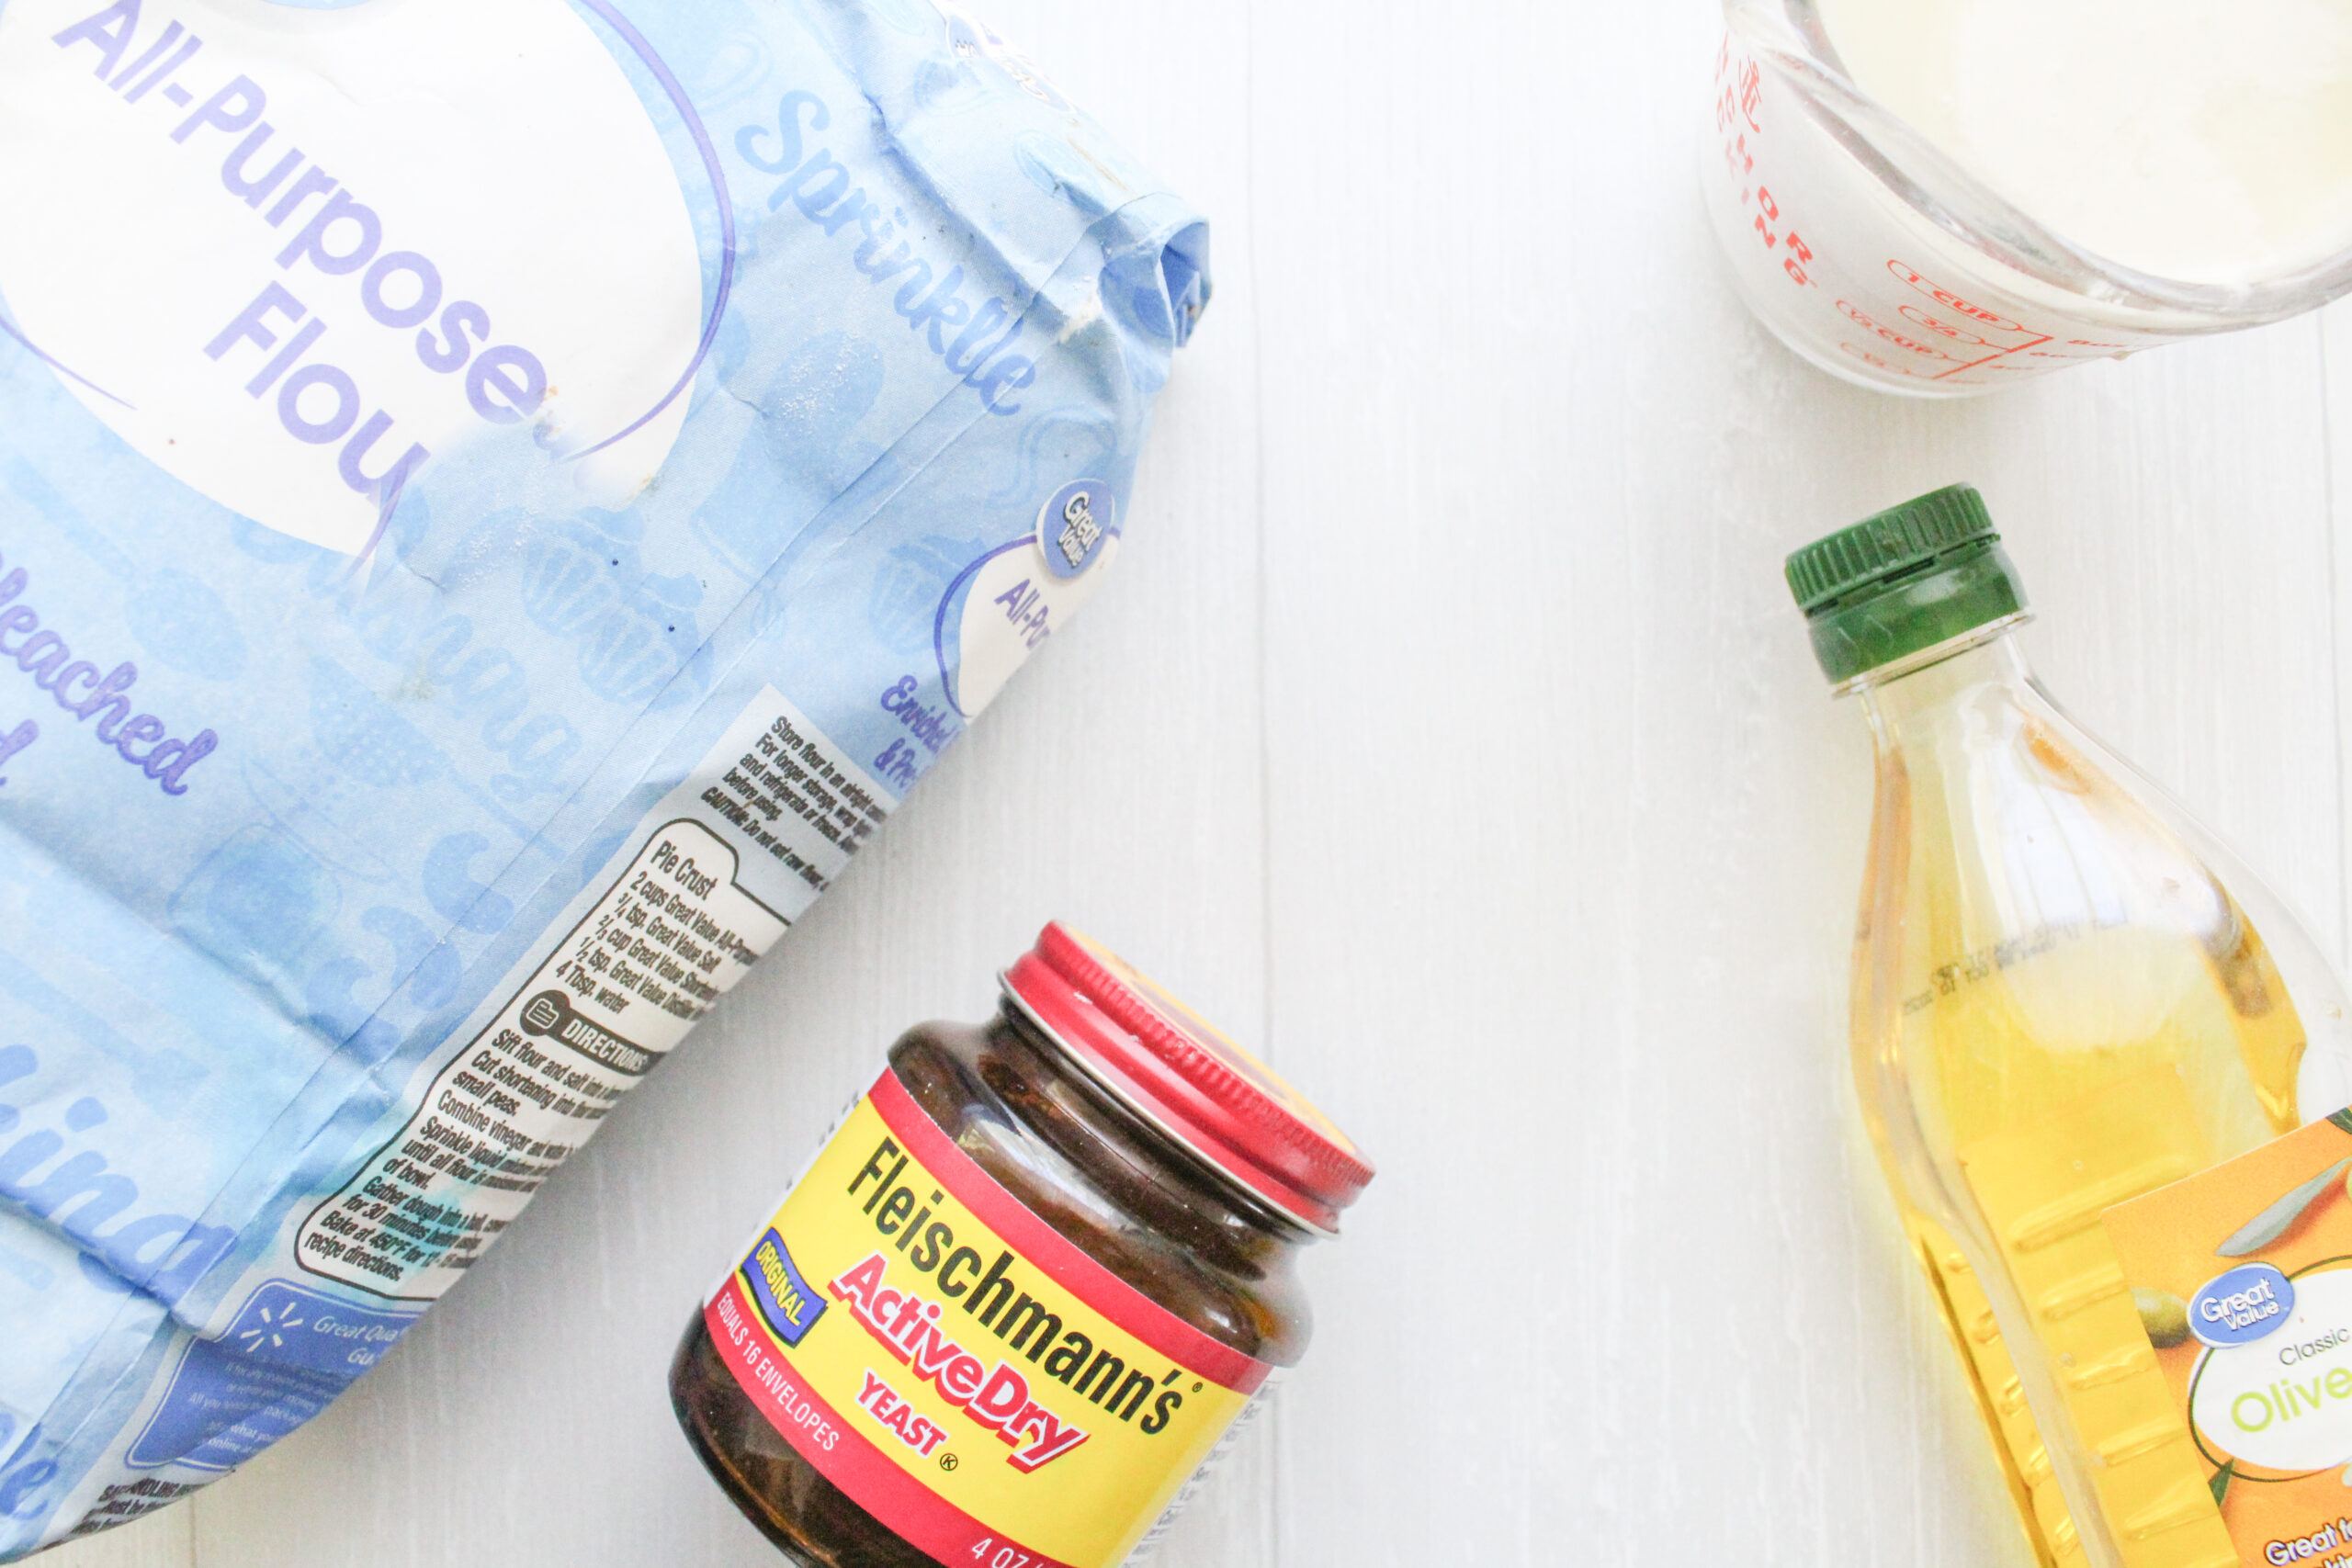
column 1878, row 258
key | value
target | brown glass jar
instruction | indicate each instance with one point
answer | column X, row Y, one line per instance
column 1127, row 1169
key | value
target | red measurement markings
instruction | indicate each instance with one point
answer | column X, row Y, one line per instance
column 1739, row 107
column 1799, row 253
column 1739, row 97
column 1958, row 334
column 1859, row 318
column 1867, row 357
column 2009, row 337
column 1953, row 301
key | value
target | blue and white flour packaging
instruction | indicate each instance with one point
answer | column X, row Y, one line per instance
column 498, row 499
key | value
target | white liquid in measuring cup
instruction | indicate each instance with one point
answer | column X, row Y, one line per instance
column 2196, row 156
column 2204, row 141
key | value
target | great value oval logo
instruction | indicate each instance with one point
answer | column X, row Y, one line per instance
column 2246, row 1304
column 295, row 257
column 2280, row 1395
column 1074, row 524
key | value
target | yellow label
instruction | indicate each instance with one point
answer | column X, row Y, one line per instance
column 959, row 1369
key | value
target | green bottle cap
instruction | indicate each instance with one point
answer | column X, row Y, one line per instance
column 1905, row 580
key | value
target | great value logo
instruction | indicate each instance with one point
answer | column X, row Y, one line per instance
column 2238, row 1308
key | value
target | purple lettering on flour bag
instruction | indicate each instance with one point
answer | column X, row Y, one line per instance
column 425, row 688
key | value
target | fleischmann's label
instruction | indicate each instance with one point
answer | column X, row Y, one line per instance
column 960, row 1370
column 2243, row 1278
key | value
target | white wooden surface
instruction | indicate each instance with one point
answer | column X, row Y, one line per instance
column 1451, row 736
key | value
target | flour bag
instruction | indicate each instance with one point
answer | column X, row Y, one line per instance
column 497, row 503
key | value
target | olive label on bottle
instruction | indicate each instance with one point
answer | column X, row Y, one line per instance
column 959, row 1369
column 2242, row 1277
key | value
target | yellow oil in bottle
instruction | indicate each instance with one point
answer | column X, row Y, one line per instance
column 2079, row 1014
column 2063, row 1000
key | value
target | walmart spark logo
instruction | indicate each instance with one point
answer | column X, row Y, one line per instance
column 269, row 1327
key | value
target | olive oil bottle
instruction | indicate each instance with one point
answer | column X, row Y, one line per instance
column 2065, row 997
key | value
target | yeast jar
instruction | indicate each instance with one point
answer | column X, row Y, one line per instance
column 1041, row 1272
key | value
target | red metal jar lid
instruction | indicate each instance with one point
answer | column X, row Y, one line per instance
column 1183, row 1074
